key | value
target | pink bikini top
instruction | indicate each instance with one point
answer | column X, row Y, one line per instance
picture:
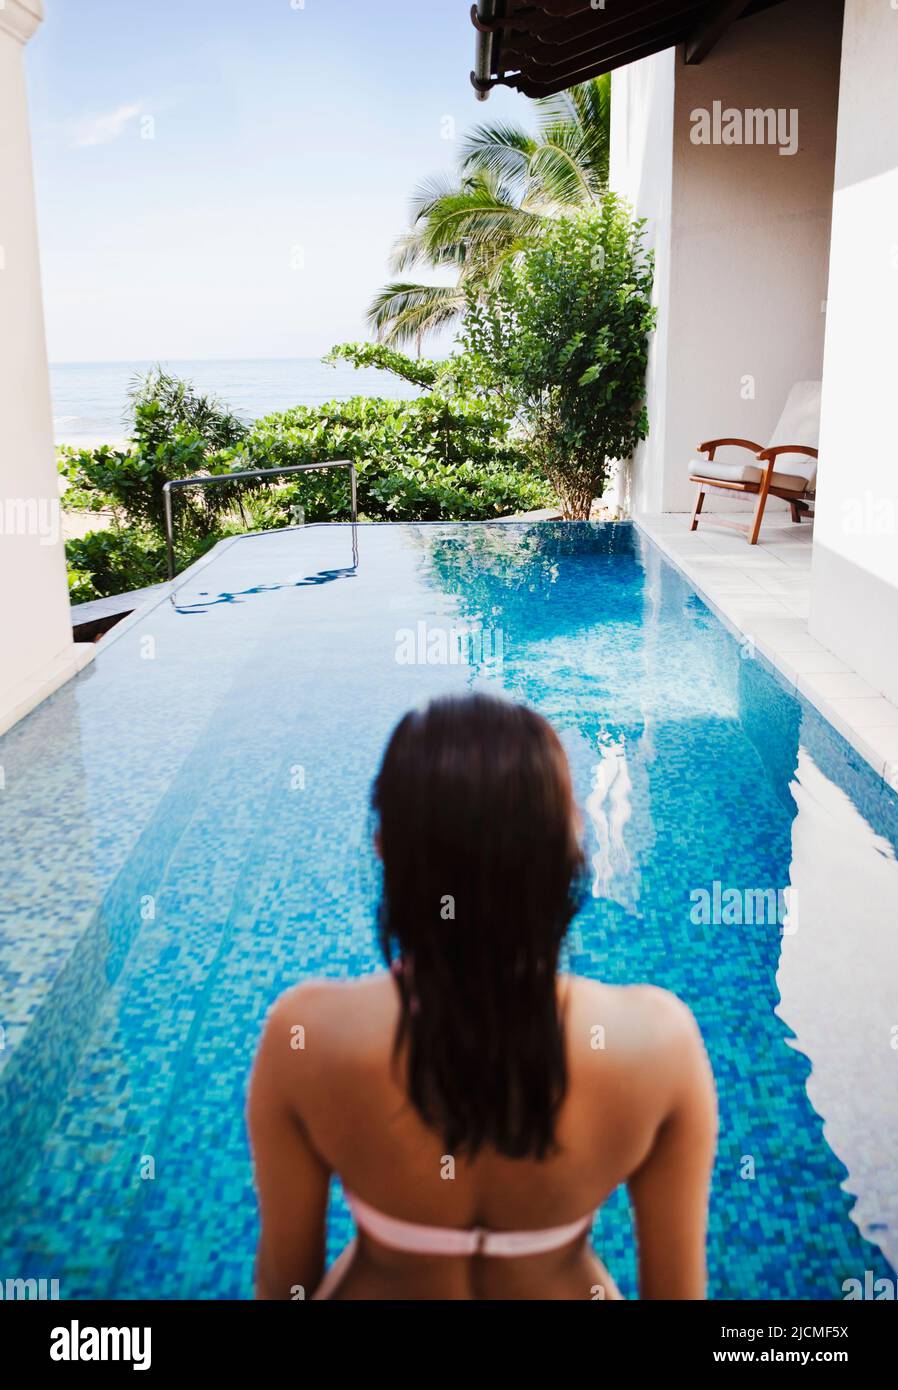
column 444, row 1240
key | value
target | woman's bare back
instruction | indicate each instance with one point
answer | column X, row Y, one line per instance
column 327, row 1098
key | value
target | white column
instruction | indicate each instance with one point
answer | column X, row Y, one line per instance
column 642, row 148
column 854, row 592
column 36, row 649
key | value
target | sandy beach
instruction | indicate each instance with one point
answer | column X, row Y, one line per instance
column 90, row 441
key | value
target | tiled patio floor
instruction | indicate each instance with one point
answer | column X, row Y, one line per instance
column 763, row 593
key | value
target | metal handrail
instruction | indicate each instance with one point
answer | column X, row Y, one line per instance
column 250, row 473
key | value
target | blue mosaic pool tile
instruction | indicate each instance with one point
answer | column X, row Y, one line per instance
column 131, row 1035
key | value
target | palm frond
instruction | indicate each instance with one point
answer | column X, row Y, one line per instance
column 483, row 272
column 403, row 313
column 586, row 107
column 410, row 250
column 509, row 183
column 430, row 191
column 502, row 151
column 473, row 219
column 562, row 168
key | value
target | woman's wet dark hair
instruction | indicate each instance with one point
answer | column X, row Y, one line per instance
column 483, row 869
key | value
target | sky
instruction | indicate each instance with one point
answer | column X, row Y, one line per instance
column 225, row 178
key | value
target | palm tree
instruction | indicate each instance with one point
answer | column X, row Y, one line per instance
column 509, row 183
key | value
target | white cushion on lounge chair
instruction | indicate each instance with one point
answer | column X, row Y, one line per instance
column 802, row 472
column 750, row 473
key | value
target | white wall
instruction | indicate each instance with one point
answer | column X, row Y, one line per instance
column 36, row 649
column 642, row 110
column 744, row 292
column 854, row 598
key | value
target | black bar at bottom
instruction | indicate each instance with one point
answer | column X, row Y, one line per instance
column 249, row 1338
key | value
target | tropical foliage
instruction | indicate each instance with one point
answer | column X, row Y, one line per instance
column 564, row 336
column 510, row 184
column 174, row 431
column 434, row 458
column 444, row 455
column 544, row 392
column 113, row 562
column 419, row 372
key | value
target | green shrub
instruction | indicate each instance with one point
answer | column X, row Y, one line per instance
column 112, row 562
column 164, row 406
column 565, row 336
column 421, row 460
column 446, row 455
column 175, row 433
column 419, row 371
column 81, row 589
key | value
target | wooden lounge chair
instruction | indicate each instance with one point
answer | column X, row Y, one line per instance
column 786, row 468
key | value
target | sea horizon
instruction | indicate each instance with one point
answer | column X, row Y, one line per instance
column 90, row 399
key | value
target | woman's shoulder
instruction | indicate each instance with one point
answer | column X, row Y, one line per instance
column 642, row 1018
column 326, row 1007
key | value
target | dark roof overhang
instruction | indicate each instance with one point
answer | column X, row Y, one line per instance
column 545, row 47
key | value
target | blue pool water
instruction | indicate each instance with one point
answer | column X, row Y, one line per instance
column 186, row 833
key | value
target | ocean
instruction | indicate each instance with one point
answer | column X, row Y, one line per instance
column 90, row 399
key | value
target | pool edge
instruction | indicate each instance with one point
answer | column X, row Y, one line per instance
column 850, row 732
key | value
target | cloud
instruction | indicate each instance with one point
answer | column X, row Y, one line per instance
column 104, row 128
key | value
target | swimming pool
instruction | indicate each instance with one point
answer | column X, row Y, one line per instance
column 186, row 832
